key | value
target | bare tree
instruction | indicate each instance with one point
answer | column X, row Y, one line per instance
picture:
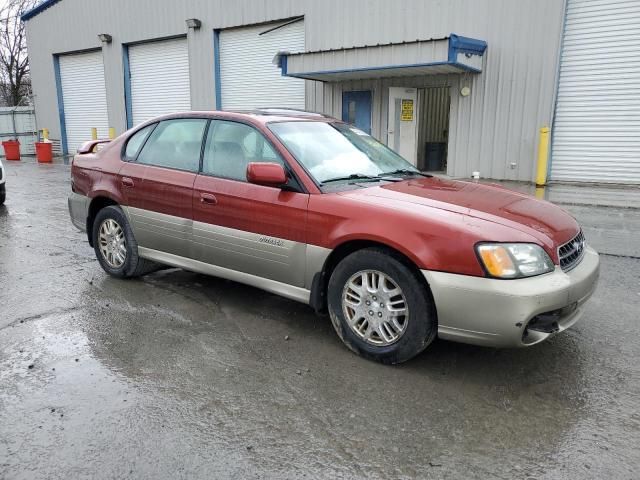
column 14, row 63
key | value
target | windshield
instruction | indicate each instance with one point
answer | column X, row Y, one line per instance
column 337, row 151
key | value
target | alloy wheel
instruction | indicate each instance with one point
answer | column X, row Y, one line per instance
column 375, row 307
column 112, row 243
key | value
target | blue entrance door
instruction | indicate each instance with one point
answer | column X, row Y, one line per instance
column 356, row 109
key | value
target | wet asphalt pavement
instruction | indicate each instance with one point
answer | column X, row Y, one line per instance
column 179, row 375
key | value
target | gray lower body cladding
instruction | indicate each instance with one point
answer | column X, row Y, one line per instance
column 498, row 313
column 477, row 310
column 78, row 210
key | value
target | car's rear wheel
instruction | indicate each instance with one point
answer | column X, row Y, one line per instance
column 116, row 247
column 380, row 308
column 3, row 194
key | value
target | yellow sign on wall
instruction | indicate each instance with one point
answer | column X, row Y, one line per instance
column 406, row 114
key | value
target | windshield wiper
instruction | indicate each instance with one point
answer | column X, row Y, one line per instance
column 353, row 176
column 405, row 171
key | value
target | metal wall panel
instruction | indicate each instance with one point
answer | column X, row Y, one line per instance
column 596, row 136
column 370, row 57
column 494, row 127
column 84, row 97
column 435, row 107
column 248, row 77
column 494, row 130
column 159, row 79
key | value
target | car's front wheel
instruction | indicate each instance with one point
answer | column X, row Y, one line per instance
column 116, row 247
column 380, row 308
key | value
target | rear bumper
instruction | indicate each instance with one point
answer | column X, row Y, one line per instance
column 512, row 313
column 78, row 210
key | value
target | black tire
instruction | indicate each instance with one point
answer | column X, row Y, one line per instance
column 421, row 328
column 133, row 265
column 3, row 194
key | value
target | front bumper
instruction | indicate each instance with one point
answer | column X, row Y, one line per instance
column 78, row 210
column 512, row 313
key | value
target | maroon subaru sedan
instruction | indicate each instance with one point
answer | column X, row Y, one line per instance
column 315, row 210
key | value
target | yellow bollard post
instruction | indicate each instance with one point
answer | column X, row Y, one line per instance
column 45, row 134
column 112, row 133
column 94, row 133
column 543, row 157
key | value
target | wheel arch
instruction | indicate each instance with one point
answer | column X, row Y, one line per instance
column 97, row 203
column 318, row 297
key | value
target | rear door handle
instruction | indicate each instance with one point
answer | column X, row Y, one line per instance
column 127, row 182
column 208, row 199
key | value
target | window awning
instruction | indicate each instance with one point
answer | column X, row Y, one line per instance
column 452, row 54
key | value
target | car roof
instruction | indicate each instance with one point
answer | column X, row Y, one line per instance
column 262, row 116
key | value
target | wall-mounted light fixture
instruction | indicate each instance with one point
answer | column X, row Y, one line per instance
column 465, row 91
column 105, row 37
column 194, row 23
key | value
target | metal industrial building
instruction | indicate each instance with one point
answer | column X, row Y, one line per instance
column 454, row 85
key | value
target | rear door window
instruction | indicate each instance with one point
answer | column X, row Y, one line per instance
column 175, row 144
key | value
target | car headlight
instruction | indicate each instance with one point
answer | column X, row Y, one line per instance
column 514, row 260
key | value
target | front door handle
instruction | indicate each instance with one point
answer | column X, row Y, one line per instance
column 208, row 199
column 127, row 182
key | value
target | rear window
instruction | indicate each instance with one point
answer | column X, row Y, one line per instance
column 136, row 141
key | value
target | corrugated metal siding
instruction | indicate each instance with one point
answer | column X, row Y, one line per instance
column 435, row 110
column 159, row 79
column 494, row 130
column 495, row 126
column 433, row 124
column 371, row 57
column 248, row 77
column 84, row 97
column 596, row 135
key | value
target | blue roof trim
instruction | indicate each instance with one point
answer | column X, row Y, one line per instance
column 38, row 9
column 458, row 44
column 386, row 67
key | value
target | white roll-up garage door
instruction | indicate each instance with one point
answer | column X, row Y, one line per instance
column 248, row 77
column 84, row 97
column 596, row 134
column 159, row 76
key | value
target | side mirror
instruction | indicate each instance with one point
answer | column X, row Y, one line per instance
column 266, row 173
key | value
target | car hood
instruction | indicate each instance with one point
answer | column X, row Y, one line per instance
column 544, row 221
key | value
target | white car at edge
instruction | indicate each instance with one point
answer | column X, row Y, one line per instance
column 3, row 176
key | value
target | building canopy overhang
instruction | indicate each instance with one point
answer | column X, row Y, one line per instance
column 452, row 54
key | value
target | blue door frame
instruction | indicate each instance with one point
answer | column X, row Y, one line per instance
column 63, row 125
column 127, row 86
column 356, row 109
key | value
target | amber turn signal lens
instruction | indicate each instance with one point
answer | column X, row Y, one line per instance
column 497, row 261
